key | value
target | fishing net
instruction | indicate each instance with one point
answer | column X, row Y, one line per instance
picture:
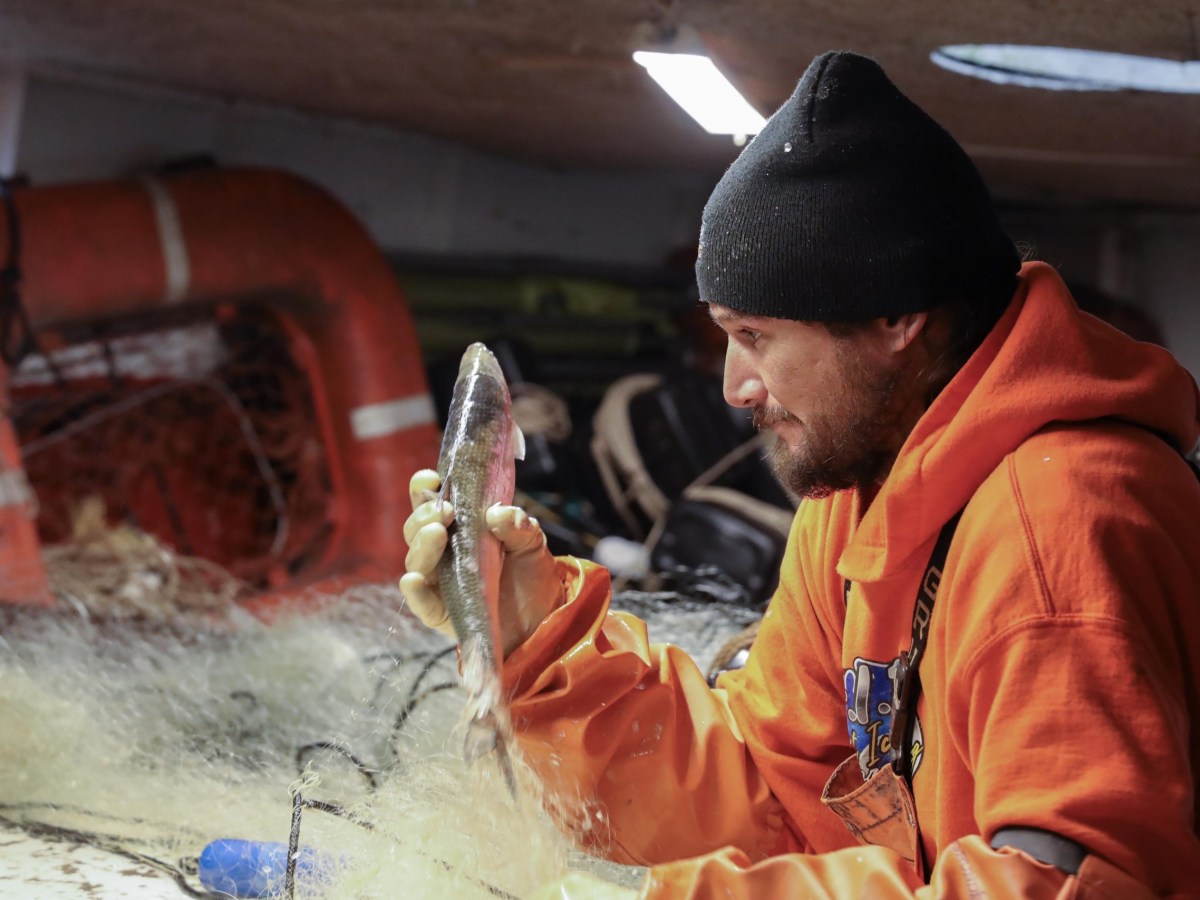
column 200, row 433
column 155, row 739
column 122, row 572
column 160, row 737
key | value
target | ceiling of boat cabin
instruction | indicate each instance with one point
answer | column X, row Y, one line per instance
column 552, row 81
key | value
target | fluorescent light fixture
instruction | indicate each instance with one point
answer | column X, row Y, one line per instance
column 705, row 94
column 1066, row 69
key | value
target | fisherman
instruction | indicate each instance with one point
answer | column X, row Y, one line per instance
column 981, row 669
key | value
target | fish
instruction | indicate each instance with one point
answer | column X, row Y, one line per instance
column 477, row 464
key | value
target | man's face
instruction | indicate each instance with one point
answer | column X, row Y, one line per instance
column 830, row 401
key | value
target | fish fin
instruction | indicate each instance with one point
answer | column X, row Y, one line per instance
column 444, row 495
column 517, row 442
column 504, row 760
column 481, row 739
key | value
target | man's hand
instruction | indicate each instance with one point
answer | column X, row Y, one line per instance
column 530, row 588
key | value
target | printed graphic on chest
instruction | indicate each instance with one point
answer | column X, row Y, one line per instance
column 871, row 694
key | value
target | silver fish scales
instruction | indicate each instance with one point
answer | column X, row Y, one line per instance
column 477, row 468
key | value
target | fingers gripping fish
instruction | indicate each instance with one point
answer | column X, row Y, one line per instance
column 476, row 465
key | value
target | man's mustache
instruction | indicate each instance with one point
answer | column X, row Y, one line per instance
column 765, row 417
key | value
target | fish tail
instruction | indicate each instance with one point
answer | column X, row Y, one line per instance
column 485, row 736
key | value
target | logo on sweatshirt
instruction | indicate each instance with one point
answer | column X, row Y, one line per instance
column 871, row 691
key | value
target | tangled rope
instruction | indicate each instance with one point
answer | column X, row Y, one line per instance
column 538, row 410
column 125, row 573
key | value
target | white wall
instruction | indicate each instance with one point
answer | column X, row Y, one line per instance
column 1167, row 280
column 415, row 194
column 1149, row 261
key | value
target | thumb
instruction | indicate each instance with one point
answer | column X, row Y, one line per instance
column 518, row 531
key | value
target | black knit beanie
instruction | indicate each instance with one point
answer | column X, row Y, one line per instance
column 851, row 204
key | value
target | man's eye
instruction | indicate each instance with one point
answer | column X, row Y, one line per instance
column 751, row 335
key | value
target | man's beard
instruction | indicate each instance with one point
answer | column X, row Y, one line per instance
column 851, row 438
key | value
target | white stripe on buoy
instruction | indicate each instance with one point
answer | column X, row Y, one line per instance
column 381, row 419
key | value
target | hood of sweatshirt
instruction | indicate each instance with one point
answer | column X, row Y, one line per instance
column 1044, row 362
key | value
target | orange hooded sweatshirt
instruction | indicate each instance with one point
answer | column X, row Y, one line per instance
column 1060, row 686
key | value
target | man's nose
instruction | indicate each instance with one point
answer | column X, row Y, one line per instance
column 742, row 385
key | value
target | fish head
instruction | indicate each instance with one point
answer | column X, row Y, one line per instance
column 477, row 359
column 480, row 431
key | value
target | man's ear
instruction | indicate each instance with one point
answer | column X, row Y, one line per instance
column 896, row 333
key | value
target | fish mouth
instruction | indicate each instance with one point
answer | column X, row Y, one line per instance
column 478, row 359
